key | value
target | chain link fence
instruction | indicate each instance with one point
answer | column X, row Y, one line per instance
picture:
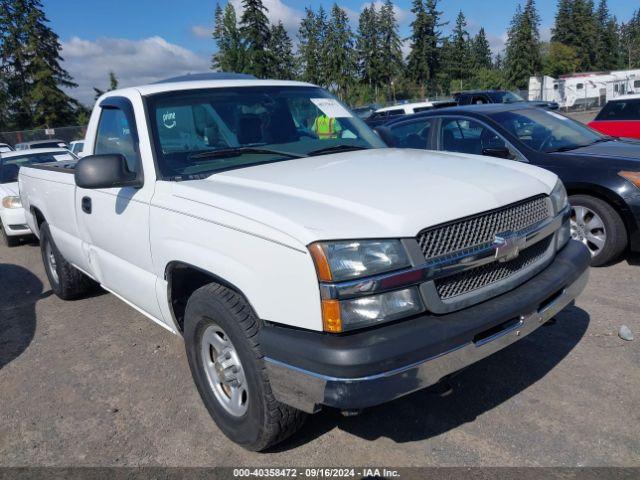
column 67, row 134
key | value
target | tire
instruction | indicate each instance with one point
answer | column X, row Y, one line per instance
column 66, row 281
column 261, row 421
column 7, row 240
column 613, row 228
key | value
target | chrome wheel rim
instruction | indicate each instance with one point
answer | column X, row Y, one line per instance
column 587, row 227
column 224, row 371
column 51, row 261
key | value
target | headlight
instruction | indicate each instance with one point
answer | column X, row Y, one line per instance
column 347, row 260
column 559, row 198
column 11, row 202
column 350, row 260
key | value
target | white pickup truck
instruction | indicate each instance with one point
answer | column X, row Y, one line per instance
column 305, row 264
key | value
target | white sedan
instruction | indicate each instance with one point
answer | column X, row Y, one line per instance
column 13, row 224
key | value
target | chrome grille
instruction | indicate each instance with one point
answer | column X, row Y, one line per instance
column 480, row 230
column 476, row 278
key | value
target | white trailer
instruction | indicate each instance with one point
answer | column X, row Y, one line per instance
column 584, row 89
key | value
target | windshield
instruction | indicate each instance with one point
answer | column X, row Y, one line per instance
column 9, row 167
column 546, row 131
column 506, row 97
column 198, row 133
column 620, row 110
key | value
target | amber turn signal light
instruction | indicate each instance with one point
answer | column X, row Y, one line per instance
column 633, row 177
column 321, row 262
column 331, row 321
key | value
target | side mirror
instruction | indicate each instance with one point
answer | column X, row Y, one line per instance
column 498, row 152
column 105, row 171
column 386, row 135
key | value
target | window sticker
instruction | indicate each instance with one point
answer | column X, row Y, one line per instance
column 63, row 157
column 169, row 119
column 331, row 108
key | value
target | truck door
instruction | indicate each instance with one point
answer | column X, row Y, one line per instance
column 114, row 222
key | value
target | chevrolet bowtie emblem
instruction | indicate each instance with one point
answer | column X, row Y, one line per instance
column 508, row 246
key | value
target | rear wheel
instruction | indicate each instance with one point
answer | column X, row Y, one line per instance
column 221, row 339
column 66, row 281
column 6, row 239
column 598, row 226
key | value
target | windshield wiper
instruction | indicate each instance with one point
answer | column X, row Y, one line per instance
column 237, row 151
column 567, row 148
column 337, row 148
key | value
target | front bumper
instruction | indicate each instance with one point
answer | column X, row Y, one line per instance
column 309, row 369
column 14, row 222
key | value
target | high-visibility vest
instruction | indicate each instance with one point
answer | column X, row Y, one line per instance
column 324, row 127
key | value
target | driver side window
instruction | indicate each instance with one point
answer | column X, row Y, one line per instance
column 469, row 136
column 114, row 136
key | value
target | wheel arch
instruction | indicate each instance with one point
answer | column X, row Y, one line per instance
column 38, row 219
column 183, row 279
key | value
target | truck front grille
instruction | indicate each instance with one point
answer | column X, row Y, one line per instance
column 480, row 230
column 485, row 275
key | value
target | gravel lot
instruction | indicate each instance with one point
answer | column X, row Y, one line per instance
column 92, row 382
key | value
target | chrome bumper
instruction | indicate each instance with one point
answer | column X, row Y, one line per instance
column 308, row 391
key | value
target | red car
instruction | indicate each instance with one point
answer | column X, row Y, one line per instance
column 620, row 117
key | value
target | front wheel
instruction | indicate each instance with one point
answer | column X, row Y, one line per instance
column 221, row 340
column 598, row 226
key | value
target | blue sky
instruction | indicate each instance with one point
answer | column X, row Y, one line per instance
column 144, row 40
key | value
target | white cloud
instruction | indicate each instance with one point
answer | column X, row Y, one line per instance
column 278, row 11
column 201, row 31
column 134, row 62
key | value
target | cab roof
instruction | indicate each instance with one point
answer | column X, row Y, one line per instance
column 203, row 81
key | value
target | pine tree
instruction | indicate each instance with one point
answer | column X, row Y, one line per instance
column 254, row 28
column 391, row 61
column 460, row 53
column 113, row 85
column 630, row 41
column 30, row 64
column 563, row 30
column 607, row 49
column 424, row 57
column 339, row 52
column 230, row 54
column 309, row 44
column 523, row 58
column 417, row 67
column 498, row 62
column 586, row 33
column 4, row 104
column 281, row 49
column 368, row 48
column 576, row 27
column 481, row 51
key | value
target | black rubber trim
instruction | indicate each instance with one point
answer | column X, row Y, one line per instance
column 67, row 167
column 392, row 346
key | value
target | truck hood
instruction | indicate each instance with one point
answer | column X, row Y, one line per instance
column 379, row 193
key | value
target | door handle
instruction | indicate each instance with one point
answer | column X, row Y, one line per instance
column 86, row 204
